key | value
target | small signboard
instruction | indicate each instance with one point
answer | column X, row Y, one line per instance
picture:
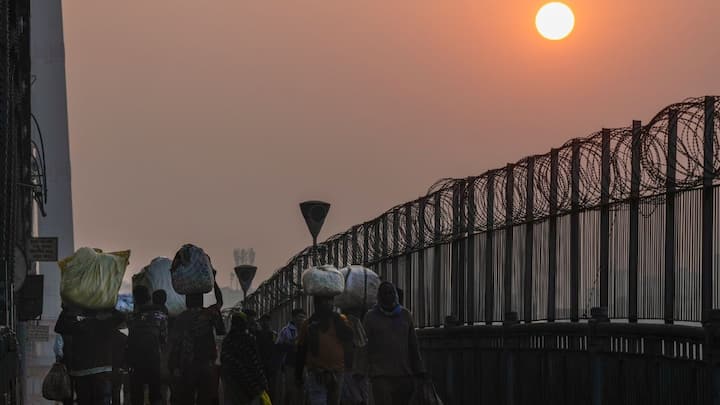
column 38, row 333
column 44, row 249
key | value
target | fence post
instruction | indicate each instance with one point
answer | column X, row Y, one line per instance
column 395, row 248
column 708, row 202
column 575, row 232
column 437, row 305
column 605, row 218
column 510, row 345
column 458, row 273
column 376, row 248
column 489, row 250
column 634, row 223
column 509, row 197
column 355, row 246
column 529, row 239
column 470, row 257
column 409, row 293
column 386, row 269
column 366, row 244
column 670, row 185
column 421, row 262
column 598, row 345
column 552, row 236
column 711, row 325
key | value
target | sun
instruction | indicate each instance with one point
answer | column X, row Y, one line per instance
column 555, row 21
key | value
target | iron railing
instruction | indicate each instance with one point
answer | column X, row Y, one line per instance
column 624, row 219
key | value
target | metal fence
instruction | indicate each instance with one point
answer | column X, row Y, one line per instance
column 623, row 219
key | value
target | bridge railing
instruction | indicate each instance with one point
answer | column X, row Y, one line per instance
column 625, row 218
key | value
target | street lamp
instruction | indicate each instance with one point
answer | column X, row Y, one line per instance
column 314, row 213
column 245, row 274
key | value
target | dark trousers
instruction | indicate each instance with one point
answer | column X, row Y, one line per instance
column 196, row 386
column 392, row 390
column 139, row 379
column 94, row 389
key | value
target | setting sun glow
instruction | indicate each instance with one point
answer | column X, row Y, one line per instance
column 555, row 21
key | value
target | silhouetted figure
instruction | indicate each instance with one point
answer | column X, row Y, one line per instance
column 242, row 370
column 193, row 353
column 322, row 343
column 393, row 354
column 355, row 389
column 286, row 345
column 159, row 298
column 91, row 351
column 147, row 336
column 266, row 337
column 120, row 381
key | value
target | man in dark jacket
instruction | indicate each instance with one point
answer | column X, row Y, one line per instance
column 147, row 336
column 193, row 353
column 91, row 353
column 392, row 350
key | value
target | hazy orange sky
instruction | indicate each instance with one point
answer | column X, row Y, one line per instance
column 209, row 121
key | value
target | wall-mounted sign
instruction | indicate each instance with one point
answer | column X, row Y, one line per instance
column 38, row 333
column 43, row 249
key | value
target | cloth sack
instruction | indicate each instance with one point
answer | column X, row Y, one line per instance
column 91, row 279
column 191, row 271
column 156, row 276
column 425, row 394
column 57, row 386
column 323, row 281
column 361, row 287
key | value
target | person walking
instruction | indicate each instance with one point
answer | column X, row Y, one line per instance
column 242, row 371
column 286, row 346
column 393, row 356
column 146, row 338
column 355, row 389
column 322, row 343
column 193, row 353
column 266, row 337
column 91, row 352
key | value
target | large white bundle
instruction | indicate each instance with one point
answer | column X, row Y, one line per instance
column 191, row 271
column 323, row 281
column 156, row 276
column 361, row 286
column 91, row 279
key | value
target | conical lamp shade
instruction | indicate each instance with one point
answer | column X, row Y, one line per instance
column 314, row 213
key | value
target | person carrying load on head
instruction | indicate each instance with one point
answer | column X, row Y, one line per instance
column 193, row 351
column 91, row 351
column 89, row 285
column 323, row 339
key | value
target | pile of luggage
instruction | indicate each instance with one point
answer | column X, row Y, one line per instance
column 91, row 278
column 352, row 287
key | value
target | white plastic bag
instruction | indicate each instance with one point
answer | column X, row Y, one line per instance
column 361, row 286
column 91, row 279
column 191, row 271
column 156, row 276
column 323, row 281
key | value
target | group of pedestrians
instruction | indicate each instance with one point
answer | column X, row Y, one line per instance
column 346, row 358
column 330, row 358
column 168, row 360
